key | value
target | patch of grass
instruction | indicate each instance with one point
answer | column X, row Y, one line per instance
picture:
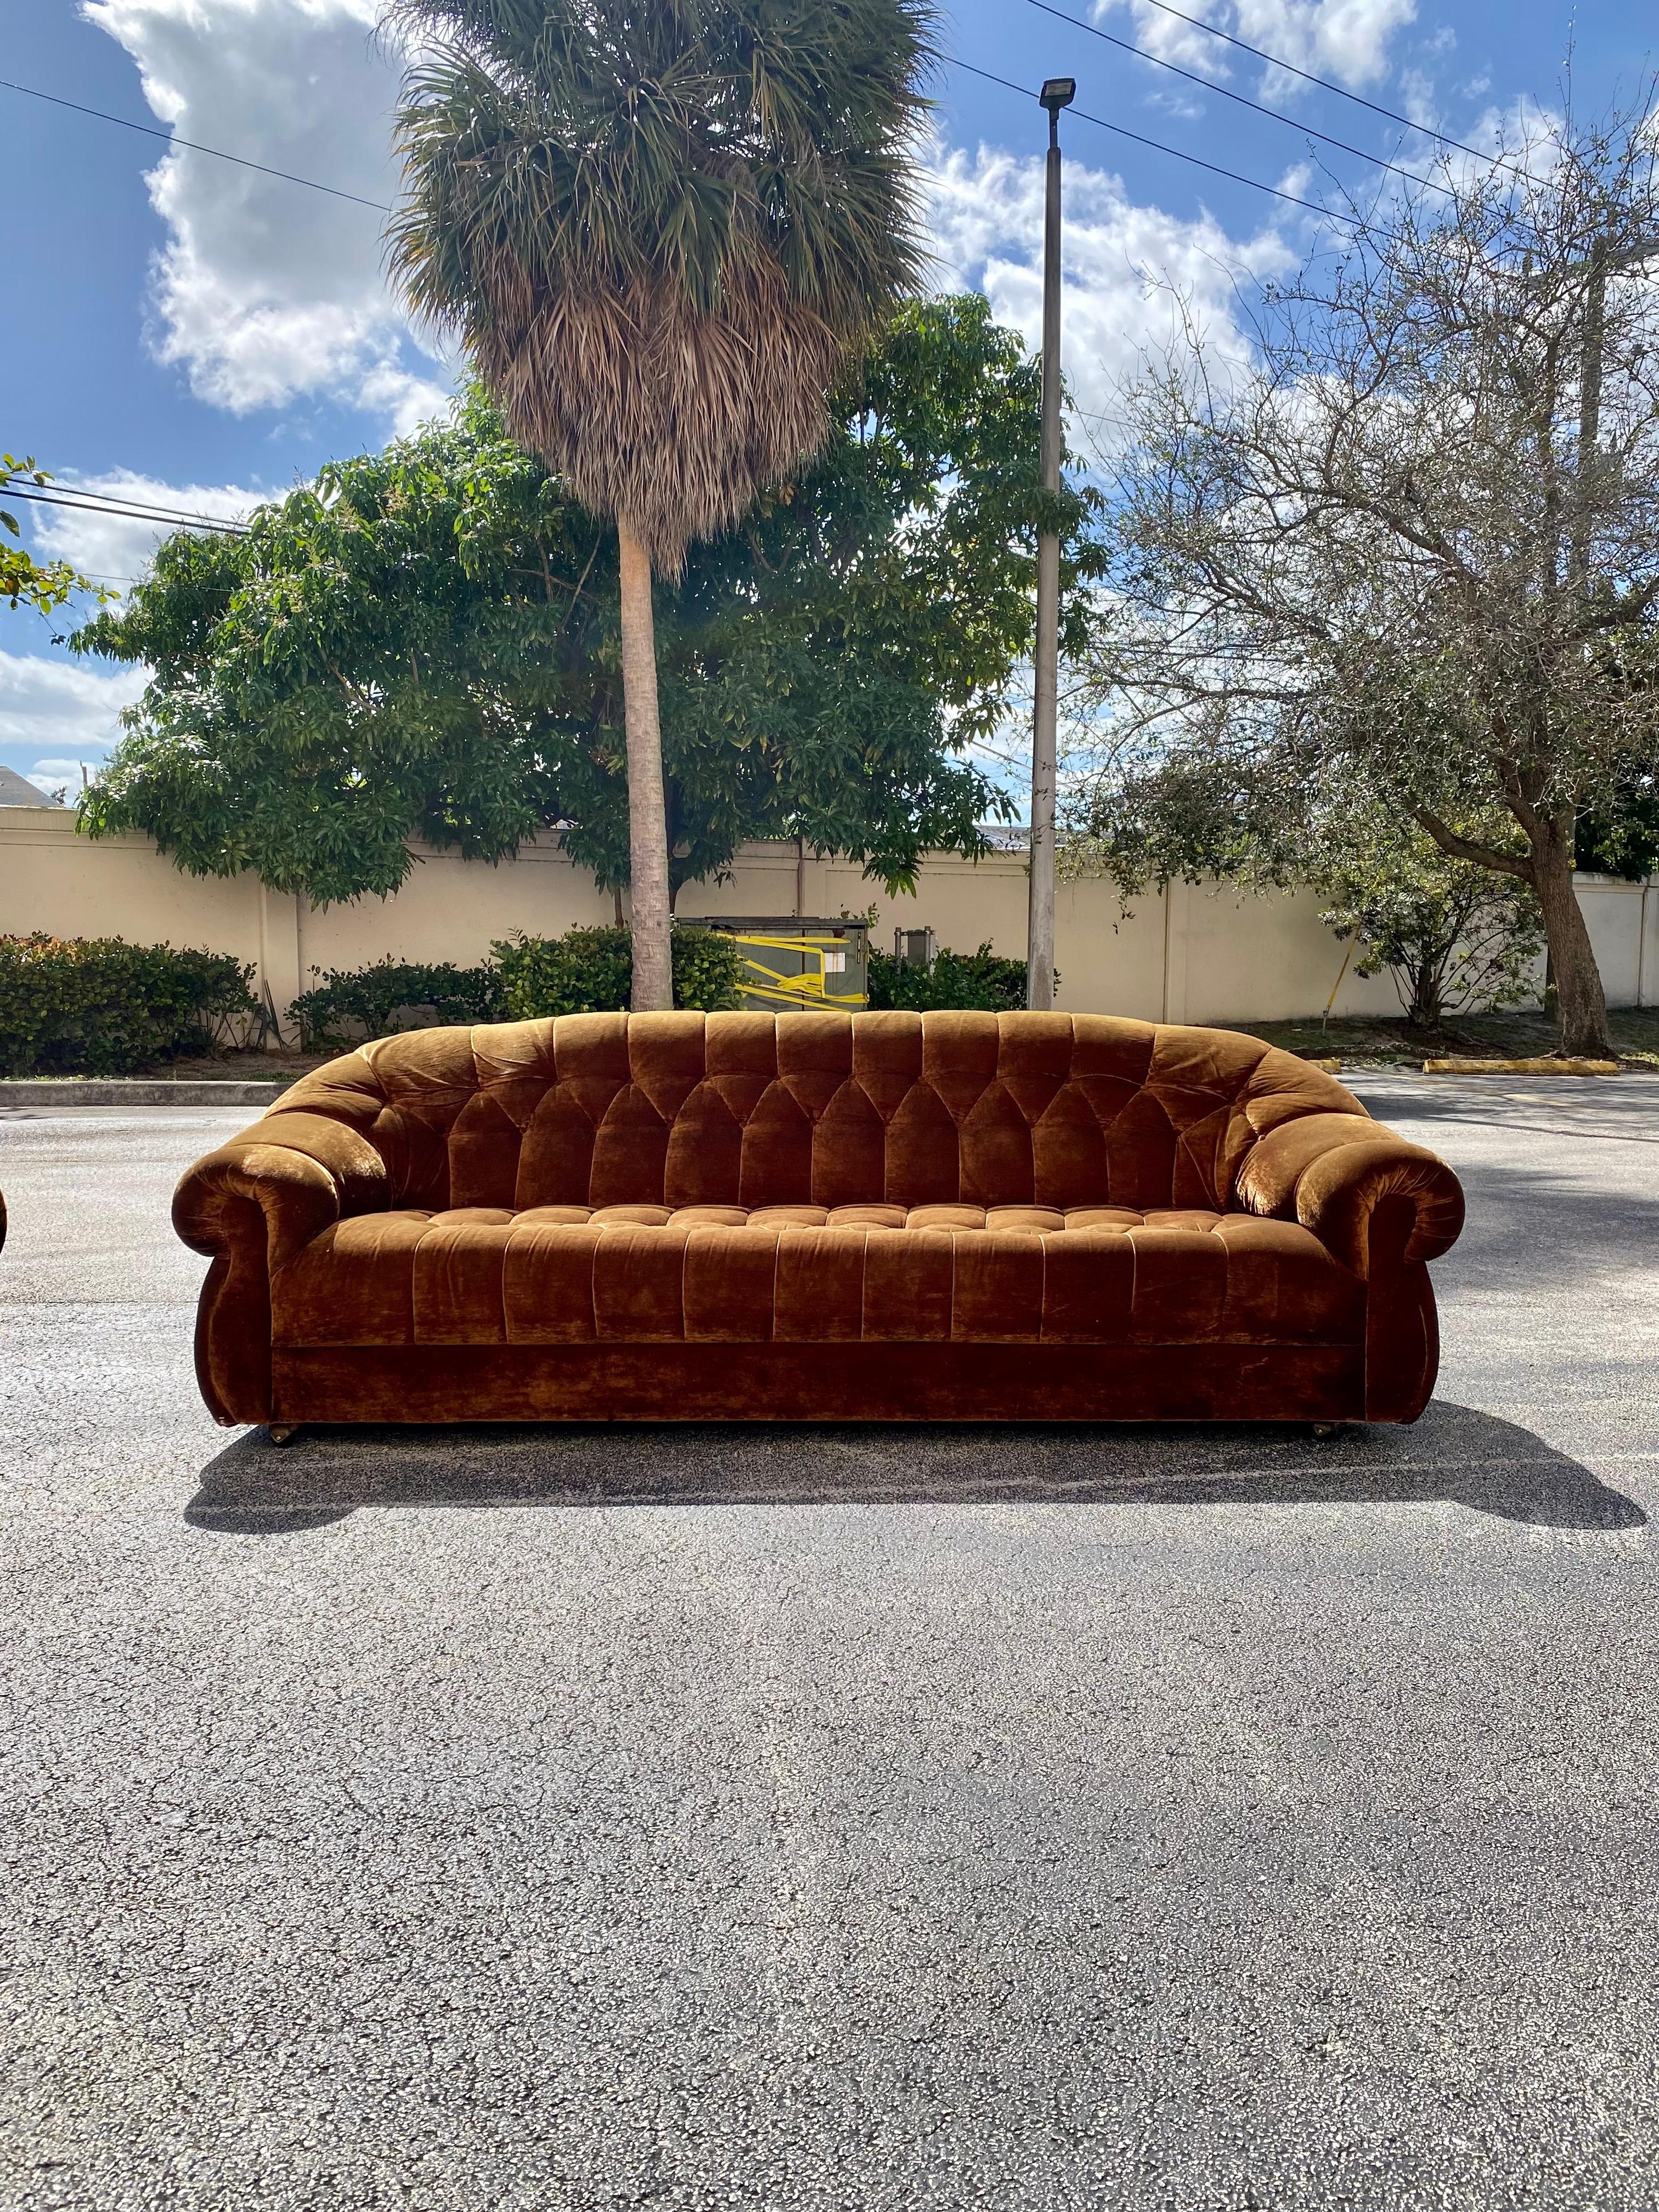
column 250, row 1066
column 1521, row 1033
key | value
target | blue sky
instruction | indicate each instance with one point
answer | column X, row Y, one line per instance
column 200, row 334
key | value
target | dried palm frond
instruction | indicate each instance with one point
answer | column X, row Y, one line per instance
column 658, row 226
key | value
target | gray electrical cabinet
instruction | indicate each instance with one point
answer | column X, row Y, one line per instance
column 794, row 962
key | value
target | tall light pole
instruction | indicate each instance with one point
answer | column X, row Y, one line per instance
column 1059, row 92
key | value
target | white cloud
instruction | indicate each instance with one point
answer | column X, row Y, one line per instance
column 1129, row 273
column 1417, row 97
column 267, row 292
column 57, row 777
column 68, row 712
column 1347, row 39
column 114, row 546
column 408, row 400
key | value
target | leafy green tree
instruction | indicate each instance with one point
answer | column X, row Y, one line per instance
column 425, row 644
column 659, row 230
column 1618, row 833
column 25, row 581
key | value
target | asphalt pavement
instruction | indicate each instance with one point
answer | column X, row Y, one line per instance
column 702, row 1818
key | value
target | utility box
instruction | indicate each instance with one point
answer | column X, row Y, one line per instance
column 796, row 961
column 914, row 948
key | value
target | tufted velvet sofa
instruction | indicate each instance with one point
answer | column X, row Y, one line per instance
column 875, row 1216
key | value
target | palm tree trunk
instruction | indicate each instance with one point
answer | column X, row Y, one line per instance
column 648, row 826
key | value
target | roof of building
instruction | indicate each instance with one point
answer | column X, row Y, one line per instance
column 17, row 791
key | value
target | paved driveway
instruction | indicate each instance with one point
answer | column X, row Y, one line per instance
column 859, row 1820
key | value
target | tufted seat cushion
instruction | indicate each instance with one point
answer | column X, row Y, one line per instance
column 804, row 1275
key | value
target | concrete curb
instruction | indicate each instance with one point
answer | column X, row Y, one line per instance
column 1552, row 1067
column 136, row 1090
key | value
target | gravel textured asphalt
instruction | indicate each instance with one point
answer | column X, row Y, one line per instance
column 699, row 1818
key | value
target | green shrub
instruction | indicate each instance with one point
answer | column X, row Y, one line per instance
column 975, row 981
column 351, row 1004
column 586, row 971
column 590, row 972
column 708, row 971
column 1456, row 938
column 97, row 1005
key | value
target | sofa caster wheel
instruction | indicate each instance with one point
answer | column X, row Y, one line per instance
column 1322, row 1429
column 280, row 1431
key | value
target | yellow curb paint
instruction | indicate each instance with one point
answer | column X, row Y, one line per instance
column 1551, row 1066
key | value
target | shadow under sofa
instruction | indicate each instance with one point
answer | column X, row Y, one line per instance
column 876, row 1216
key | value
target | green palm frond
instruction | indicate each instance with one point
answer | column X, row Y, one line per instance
column 659, row 226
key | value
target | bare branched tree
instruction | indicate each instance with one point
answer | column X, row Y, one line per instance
column 1413, row 551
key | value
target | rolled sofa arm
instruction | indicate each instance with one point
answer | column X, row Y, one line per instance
column 1332, row 1172
column 250, row 1207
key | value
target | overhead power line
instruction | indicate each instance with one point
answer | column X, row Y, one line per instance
column 1324, row 83
column 77, row 495
column 1158, row 145
column 1273, row 115
column 172, row 138
column 1140, row 138
column 155, row 516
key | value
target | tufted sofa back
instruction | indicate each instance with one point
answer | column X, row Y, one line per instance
column 826, row 1109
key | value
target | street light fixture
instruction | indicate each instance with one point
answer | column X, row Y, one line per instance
column 1057, row 92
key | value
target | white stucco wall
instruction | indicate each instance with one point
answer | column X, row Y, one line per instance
column 1197, row 953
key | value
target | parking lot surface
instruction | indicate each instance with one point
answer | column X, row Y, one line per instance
column 699, row 1818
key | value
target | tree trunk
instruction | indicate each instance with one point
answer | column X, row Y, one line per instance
column 648, row 825
column 1577, row 979
column 1425, row 1010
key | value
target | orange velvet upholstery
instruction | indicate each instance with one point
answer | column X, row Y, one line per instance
column 608, row 1215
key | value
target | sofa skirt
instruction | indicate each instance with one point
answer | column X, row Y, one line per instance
column 431, row 1383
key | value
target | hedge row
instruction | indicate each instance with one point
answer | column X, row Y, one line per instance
column 589, row 971
column 586, row 971
column 101, row 1006
column 97, row 1005
column 977, row 982
column 350, row 1003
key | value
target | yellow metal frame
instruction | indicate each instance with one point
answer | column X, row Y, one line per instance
column 802, row 990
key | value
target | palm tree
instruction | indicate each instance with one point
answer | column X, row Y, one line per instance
column 658, row 227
